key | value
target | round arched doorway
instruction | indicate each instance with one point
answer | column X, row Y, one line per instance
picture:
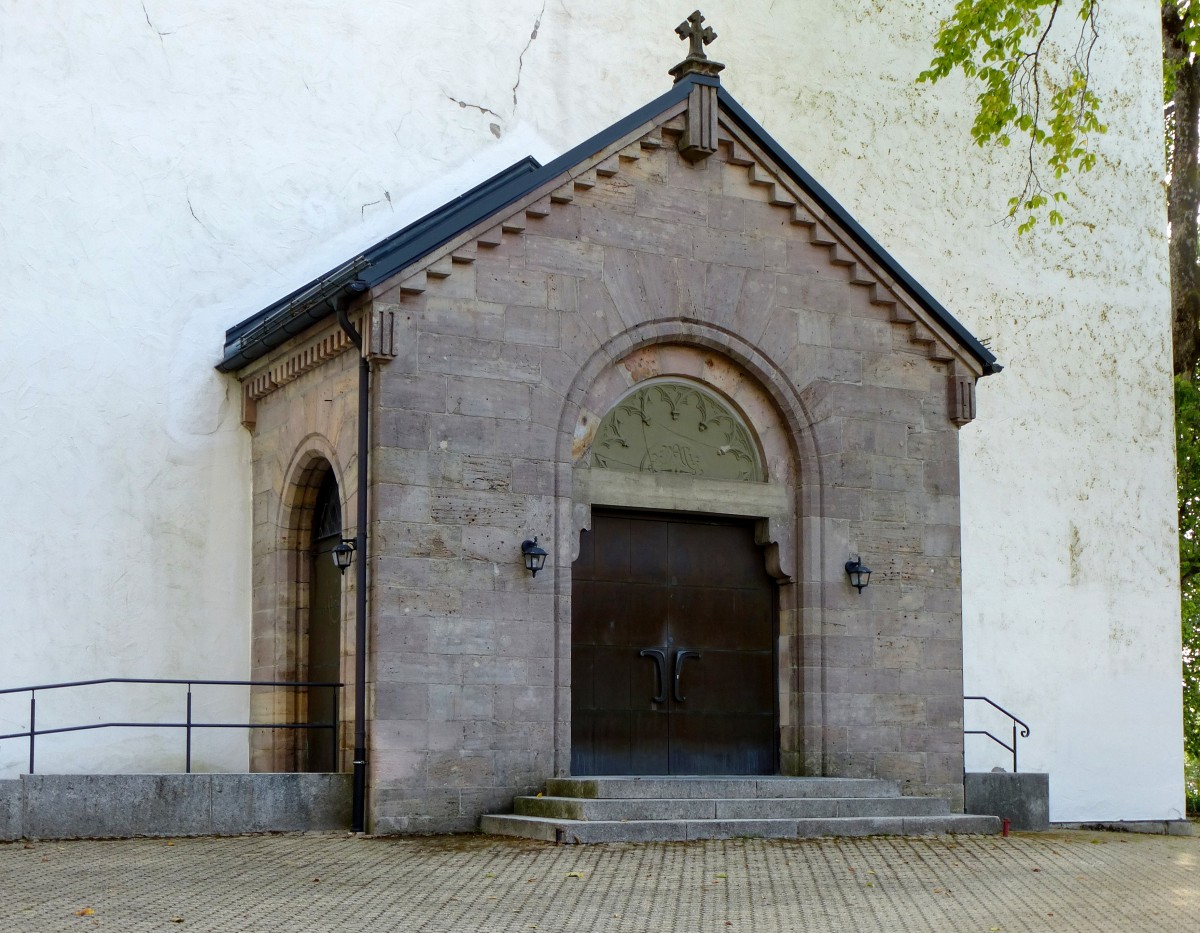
column 324, row 642
column 674, row 612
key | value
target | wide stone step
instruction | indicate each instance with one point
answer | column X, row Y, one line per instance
column 680, row 788
column 582, row 831
column 722, row 808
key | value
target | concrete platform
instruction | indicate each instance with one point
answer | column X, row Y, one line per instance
column 80, row 806
column 724, row 808
column 715, row 785
column 1023, row 798
column 677, row 809
column 580, row 832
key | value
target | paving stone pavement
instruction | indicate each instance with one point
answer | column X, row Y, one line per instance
column 1071, row 881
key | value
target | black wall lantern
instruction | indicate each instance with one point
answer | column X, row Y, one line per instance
column 858, row 572
column 535, row 557
column 343, row 554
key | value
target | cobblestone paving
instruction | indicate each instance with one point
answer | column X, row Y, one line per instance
column 1056, row 881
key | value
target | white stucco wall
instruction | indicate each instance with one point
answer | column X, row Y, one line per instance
column 171, row 167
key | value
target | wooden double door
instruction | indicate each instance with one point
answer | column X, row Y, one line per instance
column 673, row 648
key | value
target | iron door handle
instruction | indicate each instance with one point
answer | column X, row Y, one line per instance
column 680, row 657
column 660, row 669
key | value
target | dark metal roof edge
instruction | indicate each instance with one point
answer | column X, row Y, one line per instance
column 969, row 341
column 455, row 218
column 274, row 325
column 443, row 223
column 325, row 282
column 614, row 132
column 269, row 328
column 278, row 322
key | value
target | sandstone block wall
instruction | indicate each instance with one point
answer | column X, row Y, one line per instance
column 305, row 426
column 501, row 342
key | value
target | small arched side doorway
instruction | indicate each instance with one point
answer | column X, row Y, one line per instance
column 324, row 628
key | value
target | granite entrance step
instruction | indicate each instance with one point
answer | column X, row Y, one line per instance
column 672, row 809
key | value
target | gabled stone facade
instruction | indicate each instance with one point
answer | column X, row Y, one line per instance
column 498, row 356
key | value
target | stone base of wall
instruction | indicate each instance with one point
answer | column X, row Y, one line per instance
column 1022, row 799
column 1155, row 827
column 77, row 806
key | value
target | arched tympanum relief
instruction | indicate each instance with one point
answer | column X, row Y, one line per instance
column 676, row 427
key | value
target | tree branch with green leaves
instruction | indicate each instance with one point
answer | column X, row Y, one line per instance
column 1032, row 88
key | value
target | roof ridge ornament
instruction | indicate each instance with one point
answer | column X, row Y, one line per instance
column 698, row 36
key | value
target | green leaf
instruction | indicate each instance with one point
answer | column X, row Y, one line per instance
column 1030, row 59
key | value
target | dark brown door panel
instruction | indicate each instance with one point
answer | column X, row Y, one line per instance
column 673, row 641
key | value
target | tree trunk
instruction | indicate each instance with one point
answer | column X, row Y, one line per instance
column 1183, row 197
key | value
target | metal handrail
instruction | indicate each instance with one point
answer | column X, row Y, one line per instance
column 187, row 725
column 1024, row 733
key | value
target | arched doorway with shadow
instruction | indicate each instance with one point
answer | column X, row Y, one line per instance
column 683, row 657
column 324, row 642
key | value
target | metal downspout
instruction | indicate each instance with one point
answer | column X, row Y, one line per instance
column 358, row 817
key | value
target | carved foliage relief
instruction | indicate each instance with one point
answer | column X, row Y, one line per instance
column 671, row 427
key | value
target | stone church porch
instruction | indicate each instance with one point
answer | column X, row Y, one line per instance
column 672, row 327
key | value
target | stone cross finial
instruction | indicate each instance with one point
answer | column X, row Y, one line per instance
column 691, row 29
column 698, row 36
